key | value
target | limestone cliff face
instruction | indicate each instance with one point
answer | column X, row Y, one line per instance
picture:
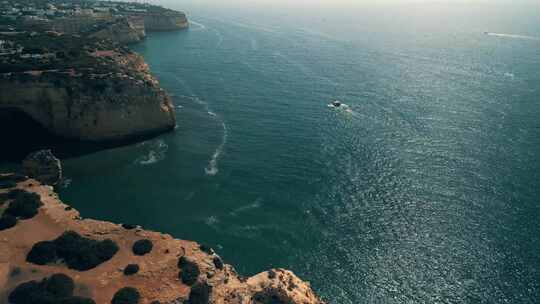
column 157, row 278
column 92, row 104
column 165, row 21
column 121, row 31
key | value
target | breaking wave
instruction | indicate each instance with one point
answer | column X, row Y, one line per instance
column 66, row 182
column 212, row 168
column 157, row 151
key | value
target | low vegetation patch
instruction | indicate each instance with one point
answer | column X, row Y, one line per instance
column 126, row 295
column 75, row 251
column 24, row 205
column 57, row 288
column 142, row 247
column 200, row 293
column 189, row 271
column 10, row 181
column 206, row 248
column 129, row 226
column 131, row 269
column 218, row 263
column 271, row 296
column 7, row 221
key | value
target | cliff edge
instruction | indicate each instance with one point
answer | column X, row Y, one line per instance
column 82, row 88
column 155, row 267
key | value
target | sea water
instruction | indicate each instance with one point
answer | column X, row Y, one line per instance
column 426, row 190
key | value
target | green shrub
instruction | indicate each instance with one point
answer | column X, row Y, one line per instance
column 7, row 184
column 42, row 253
column 77, row 252
column 206, row 248
column 7, row 221
column 218, row 263
column 57, row 289
column 76, row 300
column 182, row 261
column 129, row 226
column 3, row 198
column 10, row 181
column 126, row 295
column 59, row 285
column 270, row 296
column 13, row 194
column 81, row 253
column 189, row 273
column 131, row 269
column 200, row 293
column 25, row 205
column 142, row 247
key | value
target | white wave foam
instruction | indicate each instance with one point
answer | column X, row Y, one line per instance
column 254, row 44
column 220, row 39
column 514, row 36
column 157, row 152
column 66, row 182
column 211, row 221
column 211, row 113
column 509, row 75
column 256, row 204
column 200, row 25
column 212, row 168
column 343, row 107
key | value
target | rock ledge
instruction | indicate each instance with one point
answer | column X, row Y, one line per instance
column 157, row 280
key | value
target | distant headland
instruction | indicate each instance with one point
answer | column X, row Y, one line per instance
column 64, row 68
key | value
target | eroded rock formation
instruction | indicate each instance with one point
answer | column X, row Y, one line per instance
column 43, row 166
column 166, row 21
column 121, row 30
column 85, row 90
column 157, row 278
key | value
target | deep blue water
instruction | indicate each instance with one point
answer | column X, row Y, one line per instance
column 426, row 191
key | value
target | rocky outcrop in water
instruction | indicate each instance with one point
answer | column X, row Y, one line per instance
column 43, row 166
column 171, row 271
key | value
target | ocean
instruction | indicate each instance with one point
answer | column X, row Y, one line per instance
column 423, row 188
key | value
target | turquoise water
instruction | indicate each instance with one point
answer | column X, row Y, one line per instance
column 425, row 191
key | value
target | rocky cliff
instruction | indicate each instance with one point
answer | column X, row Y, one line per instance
column 156, row 267
column 169, row 21
column 122, row 31
column 91, row 91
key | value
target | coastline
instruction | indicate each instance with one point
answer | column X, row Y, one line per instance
column 157, row 279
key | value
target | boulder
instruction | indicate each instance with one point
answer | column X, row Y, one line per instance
column 43, row 166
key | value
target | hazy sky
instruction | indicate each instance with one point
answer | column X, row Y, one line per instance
column 332, row 3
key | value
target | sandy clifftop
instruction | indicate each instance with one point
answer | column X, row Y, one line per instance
column 173, row 271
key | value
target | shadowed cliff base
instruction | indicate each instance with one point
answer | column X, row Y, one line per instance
column 22, row 135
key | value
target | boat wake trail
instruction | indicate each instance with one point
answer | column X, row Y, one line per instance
column 256, row 204
column 212, row 168
column 514, row 36
column 220, row 39
column 201, row 27
column 157, row 151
